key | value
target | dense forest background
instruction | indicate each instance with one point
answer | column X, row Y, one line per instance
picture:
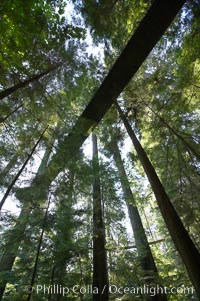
column 119, row 206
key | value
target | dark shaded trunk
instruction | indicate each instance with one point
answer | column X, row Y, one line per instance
column 181, row 238
column 7, row 92
column 21, row 170
column 100, row 270
column 15, row 235
column 144, row 252
column 148, row 33
column 38, row 252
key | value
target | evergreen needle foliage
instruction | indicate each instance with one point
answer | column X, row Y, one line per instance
column 112, row 220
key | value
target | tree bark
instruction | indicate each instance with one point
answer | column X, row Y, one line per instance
column 7, row 92
column 181, row 238
column 100, row 270
column 145, row 255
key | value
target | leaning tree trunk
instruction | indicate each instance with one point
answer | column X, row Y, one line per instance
column 7, row 92
column 100, row 270
column 15, row 235
column 145, row 255
column 21, row 170
column 181, row 238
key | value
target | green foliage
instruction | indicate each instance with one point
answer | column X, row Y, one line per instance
column 162, row 105
column 112, row 20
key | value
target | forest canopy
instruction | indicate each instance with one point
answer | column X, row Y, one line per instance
column 99, row 150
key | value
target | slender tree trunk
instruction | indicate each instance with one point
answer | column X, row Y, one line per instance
column 15, row 235
column 38, row 252
column 100, row 271
column 145, row 255
column 181, row 238
column 7, row 92
column 21, row 170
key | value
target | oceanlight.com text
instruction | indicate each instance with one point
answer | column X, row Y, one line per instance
column 57, row 289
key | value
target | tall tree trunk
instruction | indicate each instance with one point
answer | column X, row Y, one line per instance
column 38, row 252
column 21, row 170
column 7, row 92
column 145, row 255
column 15, row 235
column 100, row 270
column 181, row 238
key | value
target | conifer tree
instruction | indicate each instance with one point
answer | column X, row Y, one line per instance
column 58, row 247
column 144, row 252
column 100, row 269
column 180, row 236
